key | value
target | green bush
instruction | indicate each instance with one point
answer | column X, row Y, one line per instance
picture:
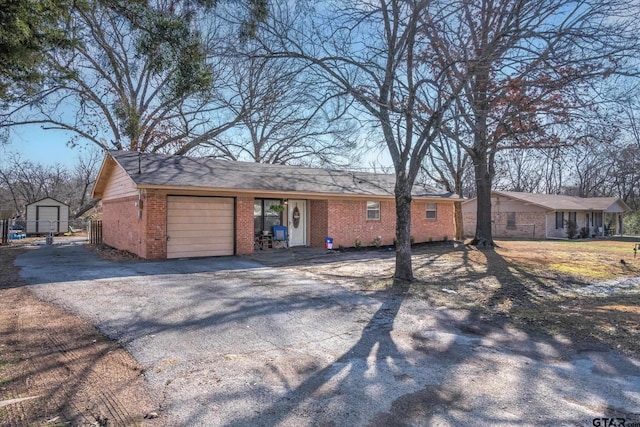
column 631, row 222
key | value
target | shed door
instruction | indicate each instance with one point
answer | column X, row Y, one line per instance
column 199, row 226
column 47, row 218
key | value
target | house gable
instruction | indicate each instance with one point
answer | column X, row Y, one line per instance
column 113, row 182
column 49, row 201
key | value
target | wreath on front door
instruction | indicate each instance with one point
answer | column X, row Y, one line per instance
column 296, row 217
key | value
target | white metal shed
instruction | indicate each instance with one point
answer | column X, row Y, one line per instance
column 47, row 216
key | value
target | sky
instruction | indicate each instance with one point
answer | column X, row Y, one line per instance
column 49, row 147
column 46, row 147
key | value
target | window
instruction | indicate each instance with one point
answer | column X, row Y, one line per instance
column 264, row 218
column 511, row 220
column 559, row 220
column 432, row 211
column 573, row 218
column 373, row 210
column 596, row 217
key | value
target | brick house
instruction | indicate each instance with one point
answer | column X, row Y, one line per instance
column 160, row 206
column 516, row 214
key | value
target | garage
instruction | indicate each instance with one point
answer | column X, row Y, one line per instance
column 199, row 226
column 47, row 216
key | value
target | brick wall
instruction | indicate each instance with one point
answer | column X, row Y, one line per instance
column 244, row 225
column 425, row 230
column 121, row 227
column 319, row 220
column 528, row 224
column 347, row 221
column 344, row 220
column 469, row 224
column 154, row 222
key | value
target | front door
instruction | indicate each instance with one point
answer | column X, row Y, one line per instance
column 297, row 222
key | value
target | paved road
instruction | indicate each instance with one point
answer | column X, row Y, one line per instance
column 230, row 342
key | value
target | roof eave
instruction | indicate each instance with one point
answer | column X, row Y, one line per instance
column 280, row 193
column 528, row 202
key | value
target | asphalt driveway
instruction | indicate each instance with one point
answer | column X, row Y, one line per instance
column 228, row 341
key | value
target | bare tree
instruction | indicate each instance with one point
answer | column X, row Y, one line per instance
column 29, row 182
column 446, row 165
column 519, row 170
column 122, row 88
column 371, row 51
column 23, row 182
column 528, row 67
column 83, row 177
column 286, row 116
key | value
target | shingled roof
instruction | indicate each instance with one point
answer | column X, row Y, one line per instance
column 566, row 203
column 160, row 170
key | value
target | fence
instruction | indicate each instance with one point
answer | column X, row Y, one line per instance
column 95, row 232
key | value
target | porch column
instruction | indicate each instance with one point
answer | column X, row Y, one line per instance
column 620, row 218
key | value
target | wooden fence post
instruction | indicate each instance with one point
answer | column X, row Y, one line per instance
column 4, row 230
column 95, row 232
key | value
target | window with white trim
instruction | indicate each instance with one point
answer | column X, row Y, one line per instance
column 432, row 211
column 511, row 220
column 373, row 211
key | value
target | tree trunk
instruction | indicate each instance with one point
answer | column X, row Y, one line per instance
column 483, row 237
column 458, row 221
column 404, row 268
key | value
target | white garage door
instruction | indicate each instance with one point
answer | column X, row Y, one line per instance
column 47, row 217
column 199, row 226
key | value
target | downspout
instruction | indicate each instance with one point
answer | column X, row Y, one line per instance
column 603, row 224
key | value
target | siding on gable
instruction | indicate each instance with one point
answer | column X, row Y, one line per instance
column 119, row 185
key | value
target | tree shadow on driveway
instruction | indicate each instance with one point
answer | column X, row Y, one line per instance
column 463, row 368
column 401, row 361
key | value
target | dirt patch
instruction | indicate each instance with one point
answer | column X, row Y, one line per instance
column 56, row 369
column 112, row 254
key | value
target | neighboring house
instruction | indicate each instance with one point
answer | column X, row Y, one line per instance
column 517, row 214
column 47, row 216
column 160, row 206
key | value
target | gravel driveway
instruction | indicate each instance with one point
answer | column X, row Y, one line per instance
column 227, row 341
